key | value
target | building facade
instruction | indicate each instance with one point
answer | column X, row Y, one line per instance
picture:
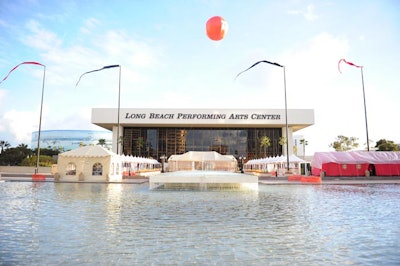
column 164, row 132
column 66, row 140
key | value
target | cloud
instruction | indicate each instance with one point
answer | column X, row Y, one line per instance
column 3, row 23
column 69, row 107
column 312, row 65
column 308, row 13
column 20, row 125
column 119, row 45
column 40, row 38
column 66, row 63
column 90, row 25
column 2, row 94
column 313, row 81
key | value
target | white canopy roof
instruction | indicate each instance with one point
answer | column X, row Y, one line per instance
column 134, row 159
column 277, row 159
column 98, row 151
column 88, row 151
column 201, row 156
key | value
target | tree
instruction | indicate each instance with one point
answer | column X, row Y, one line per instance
column 386, row 145
column 344, row 143
column 282, row 142
column 14, row 156
column 4, row 145
column 305, row 143
column 139, row 145
column 45, row 160
column 265, row 142
column 48, row 151
column 102, row 142
column 24, row 156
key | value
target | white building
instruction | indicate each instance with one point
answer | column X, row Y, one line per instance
column 70, row 139
column 154, row 132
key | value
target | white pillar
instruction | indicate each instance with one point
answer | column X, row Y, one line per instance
column 288, row 141
column 115, row 139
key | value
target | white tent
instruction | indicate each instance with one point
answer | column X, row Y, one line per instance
column 89, row 163
column 294, row 159
column 274, row 164
column 132, row 165
column 202, row 160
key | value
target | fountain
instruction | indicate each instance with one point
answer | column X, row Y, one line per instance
column 202, row 170
column 203, row 180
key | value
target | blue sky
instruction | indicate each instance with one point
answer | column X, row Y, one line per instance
column 168, row 61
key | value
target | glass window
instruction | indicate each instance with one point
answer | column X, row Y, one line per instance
column 233, row 141
column 71, row 169
column 97, row 169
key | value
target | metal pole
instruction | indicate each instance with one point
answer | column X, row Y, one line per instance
column 119, row 94
column 286, row 121
column 163, row 157
column 119, row 103
column 284, row 83
column 365, row 108
column 40, row 123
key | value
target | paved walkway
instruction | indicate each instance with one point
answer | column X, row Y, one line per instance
column 49, row 178
column 333, row 180
column 263, row 179
column 330, row 182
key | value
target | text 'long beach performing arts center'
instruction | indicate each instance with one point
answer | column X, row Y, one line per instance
column 154, row 133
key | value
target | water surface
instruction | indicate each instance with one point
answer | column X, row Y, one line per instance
column 122, row 224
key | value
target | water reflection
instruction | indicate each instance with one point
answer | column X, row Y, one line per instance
column 119, row 224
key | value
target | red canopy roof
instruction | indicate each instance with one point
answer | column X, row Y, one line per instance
column 355, row 157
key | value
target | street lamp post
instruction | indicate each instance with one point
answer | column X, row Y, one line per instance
column 241, row 159
column 119, row 95
column 163, row 158
column 286, row 116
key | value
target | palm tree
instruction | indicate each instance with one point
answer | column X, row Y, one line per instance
column 4, row 145
column 265, row 142
column 282, row 142
column 305, row 143
column 102, row 142
column 23, row 150
column 139, row 144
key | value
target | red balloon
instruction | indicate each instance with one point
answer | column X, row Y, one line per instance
column 216, row 28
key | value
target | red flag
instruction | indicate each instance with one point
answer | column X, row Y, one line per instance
column 31, row 63
column 349, row 63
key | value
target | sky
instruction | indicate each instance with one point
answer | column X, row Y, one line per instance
column 167, row 61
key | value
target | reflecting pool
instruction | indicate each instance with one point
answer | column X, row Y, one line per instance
column 126, row 224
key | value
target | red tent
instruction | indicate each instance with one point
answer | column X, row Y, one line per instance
column 356, row 163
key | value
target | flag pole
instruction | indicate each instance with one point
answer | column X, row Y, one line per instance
column 41, row 105
column 286, row 121
column 286, row 116
column 119, row 104
column 365, row 108
column 40, row 123
column 365, row 105
column 119, row 94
